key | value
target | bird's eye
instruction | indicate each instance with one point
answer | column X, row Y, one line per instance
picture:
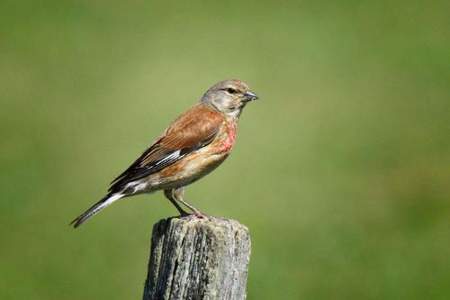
column 231, row 90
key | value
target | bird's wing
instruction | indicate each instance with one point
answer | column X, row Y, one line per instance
column 194, row 129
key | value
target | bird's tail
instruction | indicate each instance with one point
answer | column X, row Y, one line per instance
column 94, row 209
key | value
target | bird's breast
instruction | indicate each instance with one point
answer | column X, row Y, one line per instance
column 228, row 138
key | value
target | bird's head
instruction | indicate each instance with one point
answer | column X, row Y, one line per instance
column 229, row 97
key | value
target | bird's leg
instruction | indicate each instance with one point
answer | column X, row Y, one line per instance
column 179, row 195
column 170, row 194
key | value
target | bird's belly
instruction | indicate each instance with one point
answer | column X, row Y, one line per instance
column 187, row 170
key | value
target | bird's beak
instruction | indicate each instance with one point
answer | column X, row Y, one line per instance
column 250, row 96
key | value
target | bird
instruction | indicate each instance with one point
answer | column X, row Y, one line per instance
column 192, row 146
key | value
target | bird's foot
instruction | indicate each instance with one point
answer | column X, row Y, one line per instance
column 194, row 214
column 199, row 214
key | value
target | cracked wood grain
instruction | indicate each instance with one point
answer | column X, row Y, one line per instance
column 198, row 259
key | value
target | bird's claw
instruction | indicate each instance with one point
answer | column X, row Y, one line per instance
column 194, row 214
column 199, row 215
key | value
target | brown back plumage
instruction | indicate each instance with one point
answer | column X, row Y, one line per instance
column 185, row 135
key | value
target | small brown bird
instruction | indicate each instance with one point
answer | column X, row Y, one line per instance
column 194, row 144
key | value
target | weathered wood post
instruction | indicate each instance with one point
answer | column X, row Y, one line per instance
column 198, row 258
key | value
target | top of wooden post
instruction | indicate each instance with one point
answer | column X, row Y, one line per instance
column 198, row 258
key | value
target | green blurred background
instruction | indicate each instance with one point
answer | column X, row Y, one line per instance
column 341, row 171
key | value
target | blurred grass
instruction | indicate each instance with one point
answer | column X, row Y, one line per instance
column 341, row 171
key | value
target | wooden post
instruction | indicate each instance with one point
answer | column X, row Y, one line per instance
column 198, row 258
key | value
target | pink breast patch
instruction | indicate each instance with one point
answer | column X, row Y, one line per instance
column 230, row 139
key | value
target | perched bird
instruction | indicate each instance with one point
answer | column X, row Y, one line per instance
column 194, row 144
